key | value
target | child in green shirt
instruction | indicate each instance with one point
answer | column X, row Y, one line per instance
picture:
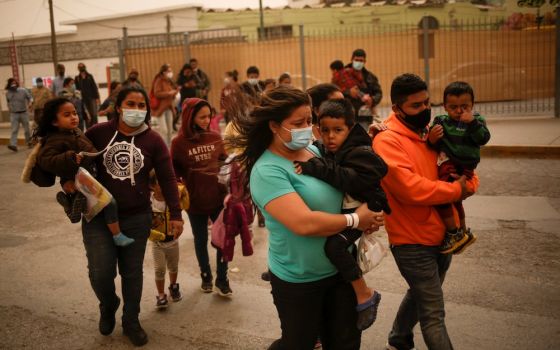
column 458, row 136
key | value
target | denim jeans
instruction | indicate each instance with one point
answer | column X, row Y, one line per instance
column 306, row 310
column 91, row 106
column 103, row 256
column 423, row 268
column 199, row 225
column 16, row 119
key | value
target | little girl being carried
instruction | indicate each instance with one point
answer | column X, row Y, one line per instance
column 59, row 154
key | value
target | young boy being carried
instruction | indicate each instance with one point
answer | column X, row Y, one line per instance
column 350, row 165
column 458, row 136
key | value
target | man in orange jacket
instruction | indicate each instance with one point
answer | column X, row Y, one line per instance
column 414, row 227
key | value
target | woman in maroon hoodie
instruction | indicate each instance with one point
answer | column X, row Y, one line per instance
column 130, row 150
column 196, row 152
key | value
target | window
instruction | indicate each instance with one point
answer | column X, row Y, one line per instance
column 276, row 32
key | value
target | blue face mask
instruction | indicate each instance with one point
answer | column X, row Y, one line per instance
column 133, row 117
column 301, row 138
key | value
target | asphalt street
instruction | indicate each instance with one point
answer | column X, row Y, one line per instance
column 502, row 293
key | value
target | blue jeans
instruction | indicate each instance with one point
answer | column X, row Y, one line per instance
column 326, row 307
column 16, row 119
column 103, row 256
column 199, row 225
column 423, row 268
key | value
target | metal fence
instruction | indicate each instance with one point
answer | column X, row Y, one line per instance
column 512, row 71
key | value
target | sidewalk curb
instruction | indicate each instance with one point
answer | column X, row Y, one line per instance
column 525, row 151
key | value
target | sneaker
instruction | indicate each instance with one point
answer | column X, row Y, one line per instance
column 453, row 241
column 367, row 312
column 107, row 318
column 135, row 333
column 78, row 205
column 471, row 238
column 122, row 240
column 222, row 287
column 62, row 199
column 207, row 286
column 175, row 293
column 12, row 148
column 161, row 302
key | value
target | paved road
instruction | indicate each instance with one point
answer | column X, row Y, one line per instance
column 502, row 293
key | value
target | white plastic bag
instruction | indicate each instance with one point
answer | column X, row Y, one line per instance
column 97, row 196
column 370, row 252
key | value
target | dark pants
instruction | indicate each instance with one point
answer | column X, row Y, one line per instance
column 199, row 225
column 444, row 174
column 91, row 106
column 326, row 307
column 103, row 256
column 336, row 249
column 111, row 212
column 424, row 269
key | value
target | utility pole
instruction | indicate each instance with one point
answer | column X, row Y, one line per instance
column 168, row 28
column 53, row 37
column 261, row 28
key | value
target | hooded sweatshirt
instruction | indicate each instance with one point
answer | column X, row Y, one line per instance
column 412, row 186
column 196, row 154
column 141, row 152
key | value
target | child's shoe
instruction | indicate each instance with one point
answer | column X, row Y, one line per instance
column 78, row 206
column 207, row 286
column 175, row 293
column 161, row 302
column 367, row 312
column 453, row 240
column 121, row 240
column 64, row 200
column 471, row 238
column 222, row 287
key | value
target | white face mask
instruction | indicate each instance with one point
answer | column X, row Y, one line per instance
column 169, row 75
column 133, row 117
column 357, row 65
column 226, row 81
column 253, row 81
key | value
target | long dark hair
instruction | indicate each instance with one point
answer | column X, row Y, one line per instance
column 127, row 91
column 50, row 111
column 252, row 123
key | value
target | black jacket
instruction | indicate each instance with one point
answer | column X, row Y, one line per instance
column 355, row 169
column 373, row 88
column 87, row 87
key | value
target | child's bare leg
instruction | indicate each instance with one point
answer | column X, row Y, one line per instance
column 363, row 292
column 115, row 228
column 172, row 278
column 449, row 223
column 160, row 285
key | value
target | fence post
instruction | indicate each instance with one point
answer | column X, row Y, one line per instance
column 302, row 56
column 121, row 60
column 426, row 49
column 557, row 79
column 186, row 46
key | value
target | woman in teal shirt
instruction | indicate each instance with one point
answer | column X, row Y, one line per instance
column 300, row 211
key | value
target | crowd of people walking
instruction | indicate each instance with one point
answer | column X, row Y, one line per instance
column 318, row 168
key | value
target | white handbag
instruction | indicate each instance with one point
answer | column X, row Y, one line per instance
column 370, row 252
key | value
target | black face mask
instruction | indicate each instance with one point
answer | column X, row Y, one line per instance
column 418, row 121
column 82, row 69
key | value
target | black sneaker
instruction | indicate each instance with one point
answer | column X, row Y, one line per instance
column 161, row 302
column 207, row 286
column 175, row 293
column 12, row 148
column 107, row 318
column 64, row 200
column 135, row 333
column 222, row 287
column 79, row 203
column 453, row 240
column 471, row 238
